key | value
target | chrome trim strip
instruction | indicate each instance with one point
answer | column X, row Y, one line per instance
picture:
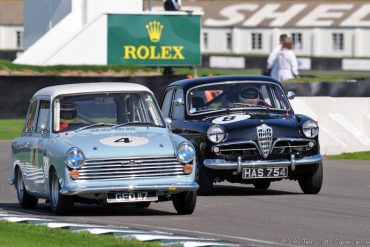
column 193, row 186
column 11, row 181
column 219, row 164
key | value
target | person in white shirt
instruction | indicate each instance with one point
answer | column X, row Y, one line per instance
column 285, row 65
column 275, row 51
column 172, row 5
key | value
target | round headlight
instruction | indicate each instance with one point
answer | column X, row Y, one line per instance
column 216, row 134
column 310, row 129
column 185, row 152
column 74, row 158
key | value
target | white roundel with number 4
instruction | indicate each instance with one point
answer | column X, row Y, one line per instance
column 230, row 119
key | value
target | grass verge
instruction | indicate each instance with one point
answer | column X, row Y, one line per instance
column 19, row 235
column 350, row 156
column 10, row 128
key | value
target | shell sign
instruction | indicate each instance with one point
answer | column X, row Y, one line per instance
column 154, row 40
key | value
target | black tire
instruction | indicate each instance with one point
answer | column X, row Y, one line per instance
column 60, row 204
column 25, row 200
column 262, row 184
column 205, row 181
column 185, row 202
column 312, row 182
column 142, row 205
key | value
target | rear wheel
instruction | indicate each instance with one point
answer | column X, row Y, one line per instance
column 185, row 202
column 262, row 184
column 60, row 204
column 25, row 200
column 312, row 182
column 205, row 181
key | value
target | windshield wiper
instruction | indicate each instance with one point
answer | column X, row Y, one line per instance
column 94, row 125
column 133, row 123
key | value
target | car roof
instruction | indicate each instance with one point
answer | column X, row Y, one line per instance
column 93, row 87
column 189, row 83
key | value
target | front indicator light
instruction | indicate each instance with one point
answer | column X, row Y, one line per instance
column 188, row 168
column 74, row 174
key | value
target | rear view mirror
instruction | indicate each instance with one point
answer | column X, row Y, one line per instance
column 291, row 95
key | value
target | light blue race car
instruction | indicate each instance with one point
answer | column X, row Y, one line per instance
column 103, row 143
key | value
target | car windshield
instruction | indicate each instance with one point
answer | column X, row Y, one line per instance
column 236, row 95
column 79, row 112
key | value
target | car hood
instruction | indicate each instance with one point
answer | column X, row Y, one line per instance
column 122, row 143
column 242, row 126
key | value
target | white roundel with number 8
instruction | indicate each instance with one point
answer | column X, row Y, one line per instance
column 230, row 119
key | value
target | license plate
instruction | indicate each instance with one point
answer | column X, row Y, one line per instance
column 132, row 196
column 273, row 172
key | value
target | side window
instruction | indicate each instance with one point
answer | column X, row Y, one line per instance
column 166, row 104
column 178, row 109
column 43, row 116
column 30, row 119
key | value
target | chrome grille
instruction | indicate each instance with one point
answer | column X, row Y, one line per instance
column 130, row 168
column 264, row 138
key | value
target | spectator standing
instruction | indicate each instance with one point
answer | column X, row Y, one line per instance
column 274, row 52
column 172, row 5
column 285, row 65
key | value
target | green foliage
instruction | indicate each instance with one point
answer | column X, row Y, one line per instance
column 19, row 235
column 350, row 156
column 10, row 128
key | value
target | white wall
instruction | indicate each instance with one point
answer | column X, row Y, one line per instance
column 79, row 37
column 344, row 122
column 8, row 37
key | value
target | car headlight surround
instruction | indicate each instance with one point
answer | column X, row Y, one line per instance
column 185, row 152
column 310, row 129
column 216, row 133
column 75, row 158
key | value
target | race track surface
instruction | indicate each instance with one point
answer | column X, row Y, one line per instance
column 240, row 213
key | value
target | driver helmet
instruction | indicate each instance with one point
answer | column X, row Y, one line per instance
column 249, row 93
column 68, row 112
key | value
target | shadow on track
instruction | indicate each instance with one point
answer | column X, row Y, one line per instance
column 43, row 209
column 234, row 190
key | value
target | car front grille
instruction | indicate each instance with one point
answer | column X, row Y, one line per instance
column 264, row 138
column 130, row 168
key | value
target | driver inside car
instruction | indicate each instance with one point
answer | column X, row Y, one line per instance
column 68, row 114
column 251, row 96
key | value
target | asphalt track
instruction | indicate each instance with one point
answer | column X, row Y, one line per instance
column 242, row 214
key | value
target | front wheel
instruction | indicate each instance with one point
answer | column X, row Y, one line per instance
column 311, row 183
column 25, row 200
column 185, row 202
column 60, row 204
column 205, row 181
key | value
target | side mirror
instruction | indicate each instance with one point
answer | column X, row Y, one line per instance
column 291, row 95
column 179, row 102
column 168, row 122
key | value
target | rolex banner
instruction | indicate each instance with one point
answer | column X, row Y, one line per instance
column 136, row 39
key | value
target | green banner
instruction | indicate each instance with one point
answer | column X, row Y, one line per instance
column 138, row 39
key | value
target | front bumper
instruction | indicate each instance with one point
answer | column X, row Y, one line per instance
column 220, row 164
column 171, row 188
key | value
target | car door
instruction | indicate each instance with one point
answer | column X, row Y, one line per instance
column 40, row 144
column 22, row 147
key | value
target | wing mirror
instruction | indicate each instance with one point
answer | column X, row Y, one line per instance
column 179, row 102
column 43, row 130
column 168, row 122
column 291, row 95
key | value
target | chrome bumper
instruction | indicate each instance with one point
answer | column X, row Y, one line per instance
column 219, row 164
column 166, row 187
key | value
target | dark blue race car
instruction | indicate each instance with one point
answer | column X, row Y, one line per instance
column 244, row 131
